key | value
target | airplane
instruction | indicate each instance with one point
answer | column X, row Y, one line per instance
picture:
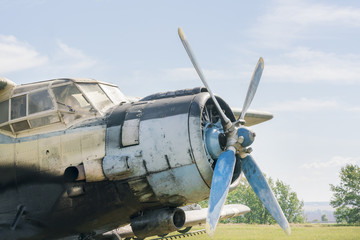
column 80, row 160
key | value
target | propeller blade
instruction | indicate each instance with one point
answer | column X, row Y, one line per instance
column 264, row 192
column 220, row 184
column 252, row 87
column 201, row 75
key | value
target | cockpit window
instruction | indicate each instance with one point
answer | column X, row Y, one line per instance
column 96, row 96
column 29, row 88
column 71, row 103
column 69, row 98
column 114, row 94
column 18, row 107
column 61, row 101
column 4, row 109
column 40, row 101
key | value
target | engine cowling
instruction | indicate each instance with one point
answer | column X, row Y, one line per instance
column 157, row 145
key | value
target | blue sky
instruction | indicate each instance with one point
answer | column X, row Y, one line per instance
column 310, row 82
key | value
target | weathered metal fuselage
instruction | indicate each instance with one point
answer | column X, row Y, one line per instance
column 98, row 174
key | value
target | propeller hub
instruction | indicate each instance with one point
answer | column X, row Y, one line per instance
column 214, row 139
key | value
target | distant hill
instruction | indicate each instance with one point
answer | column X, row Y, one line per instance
column 314, row 210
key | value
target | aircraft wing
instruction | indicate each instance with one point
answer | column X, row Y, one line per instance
column 253, row 117
column 196, row 217
column 193, row 217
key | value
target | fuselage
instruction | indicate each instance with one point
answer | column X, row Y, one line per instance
column 77, row 156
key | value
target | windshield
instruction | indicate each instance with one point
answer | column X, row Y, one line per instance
column 114, row 94
column 71, row 103
column 97, row 96
column 69, row 98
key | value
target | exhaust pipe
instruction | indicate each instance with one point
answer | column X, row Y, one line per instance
column 158, row 222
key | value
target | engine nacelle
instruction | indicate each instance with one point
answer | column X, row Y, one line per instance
column 157, row 146
column 158, row 222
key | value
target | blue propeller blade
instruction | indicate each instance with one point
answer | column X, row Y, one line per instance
column 264, row 192
column 220, row 184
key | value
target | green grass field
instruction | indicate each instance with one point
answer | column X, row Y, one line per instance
column 298, row 232
column 267, row 232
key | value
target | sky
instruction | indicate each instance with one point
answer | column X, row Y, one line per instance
column 310, row 83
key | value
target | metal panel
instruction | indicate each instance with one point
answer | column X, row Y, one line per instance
column 112, row 140
column 71, row 149
column 93, row 170
column 7, row 155
column 93, row 144
column 50, row 154
column 130, row 132
column 27, row 155
column 184, row 180
column 116, row 167
column 165, row 142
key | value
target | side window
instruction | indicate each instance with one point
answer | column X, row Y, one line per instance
column 39, row 101
column 68, row 97
column 71, row 103
column 4, row 110
column 28, row 105
column 18, row 107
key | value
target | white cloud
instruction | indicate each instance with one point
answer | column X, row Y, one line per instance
column 291, row 20
column 16, row 55
column 287, row 23
column 300, row 65
column 336, row 161
column 309, row 13
column 184, row 74
column 353, row 109
column 70, row 59
column 305, row 65
column 304, row 105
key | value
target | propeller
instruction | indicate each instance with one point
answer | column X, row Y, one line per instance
column 255, row 79
column 239, row 138
column 201, row 75
column 220, row 184
column 263, row 191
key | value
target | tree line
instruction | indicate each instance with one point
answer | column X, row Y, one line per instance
column 244, row 194
column 288, row 201
column 346, row 195
column 346, row 200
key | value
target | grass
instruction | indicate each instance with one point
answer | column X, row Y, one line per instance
column 302, row 232
column 269, row 232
